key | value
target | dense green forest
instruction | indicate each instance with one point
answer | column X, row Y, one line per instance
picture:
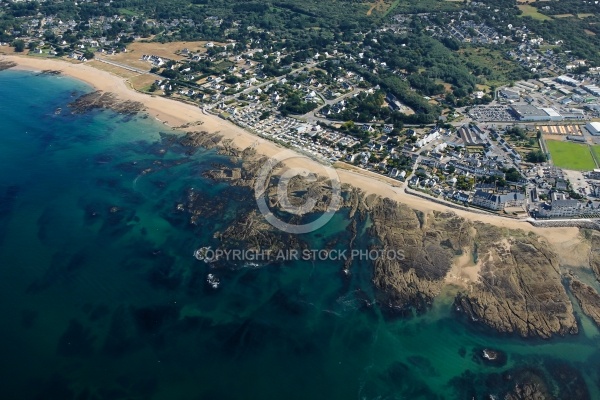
column 276, row 16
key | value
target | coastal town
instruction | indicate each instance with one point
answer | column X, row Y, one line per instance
column 495, row 149
column 401, row 197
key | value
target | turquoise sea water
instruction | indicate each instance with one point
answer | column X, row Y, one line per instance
column 100, row 297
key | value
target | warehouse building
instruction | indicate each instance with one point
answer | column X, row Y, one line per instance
column 593, row 128
column 593, row 89
column 532, row 113
column 510, row 94
column 567, row 80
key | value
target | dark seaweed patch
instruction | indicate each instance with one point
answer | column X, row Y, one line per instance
column 62, row 268
column 406, row 383
column 120, row 339
column 152, row 319
column 165, row 275
column 76, row 341
column 98, row 312
column 56, row 388
column 28, row 318
column 423, row 365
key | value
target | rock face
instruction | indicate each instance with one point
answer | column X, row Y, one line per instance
column 428, row 244
column 200, row 139
column 6, row 65
column 520, row 288
column 102, row 100
column 588, row 299
column 527, row 391
column 594, row 238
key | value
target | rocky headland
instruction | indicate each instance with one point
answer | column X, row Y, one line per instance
column 520, row 288
column 516, row 282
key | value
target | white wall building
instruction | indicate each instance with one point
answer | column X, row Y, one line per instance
column 593, row 128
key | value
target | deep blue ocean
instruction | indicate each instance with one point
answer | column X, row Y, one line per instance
column 100, row 297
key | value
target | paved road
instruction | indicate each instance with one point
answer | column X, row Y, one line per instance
column 125, row 66
column 254, row 87
column 311, row 117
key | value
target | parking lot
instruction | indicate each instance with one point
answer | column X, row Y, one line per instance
column 491, row 113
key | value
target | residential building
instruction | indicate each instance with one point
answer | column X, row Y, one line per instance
column 497, row 202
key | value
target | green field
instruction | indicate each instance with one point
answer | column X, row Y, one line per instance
column 571, row 155
column 596, row 150
column 531, row 11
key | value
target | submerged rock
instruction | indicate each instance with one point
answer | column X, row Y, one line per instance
column 487, row 356
column 107, row 101
column 7, row 65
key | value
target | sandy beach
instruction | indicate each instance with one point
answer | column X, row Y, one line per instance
column 175, row 113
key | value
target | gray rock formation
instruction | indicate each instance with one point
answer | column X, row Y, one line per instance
column 588, row 299
column 520, row 288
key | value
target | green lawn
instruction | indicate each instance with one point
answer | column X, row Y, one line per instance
column 531, row 11
column 572, row 156
column 596, row 150
column 392, row 8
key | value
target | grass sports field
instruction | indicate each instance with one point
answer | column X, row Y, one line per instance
column 596, row 150
column 571, row 155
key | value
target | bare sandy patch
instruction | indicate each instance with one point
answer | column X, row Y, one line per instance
column 464, row 271
column 171, row 50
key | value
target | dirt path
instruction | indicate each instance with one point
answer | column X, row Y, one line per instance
column 379, row 5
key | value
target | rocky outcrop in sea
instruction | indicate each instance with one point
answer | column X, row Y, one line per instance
column 518, row 290
column 102, row 100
